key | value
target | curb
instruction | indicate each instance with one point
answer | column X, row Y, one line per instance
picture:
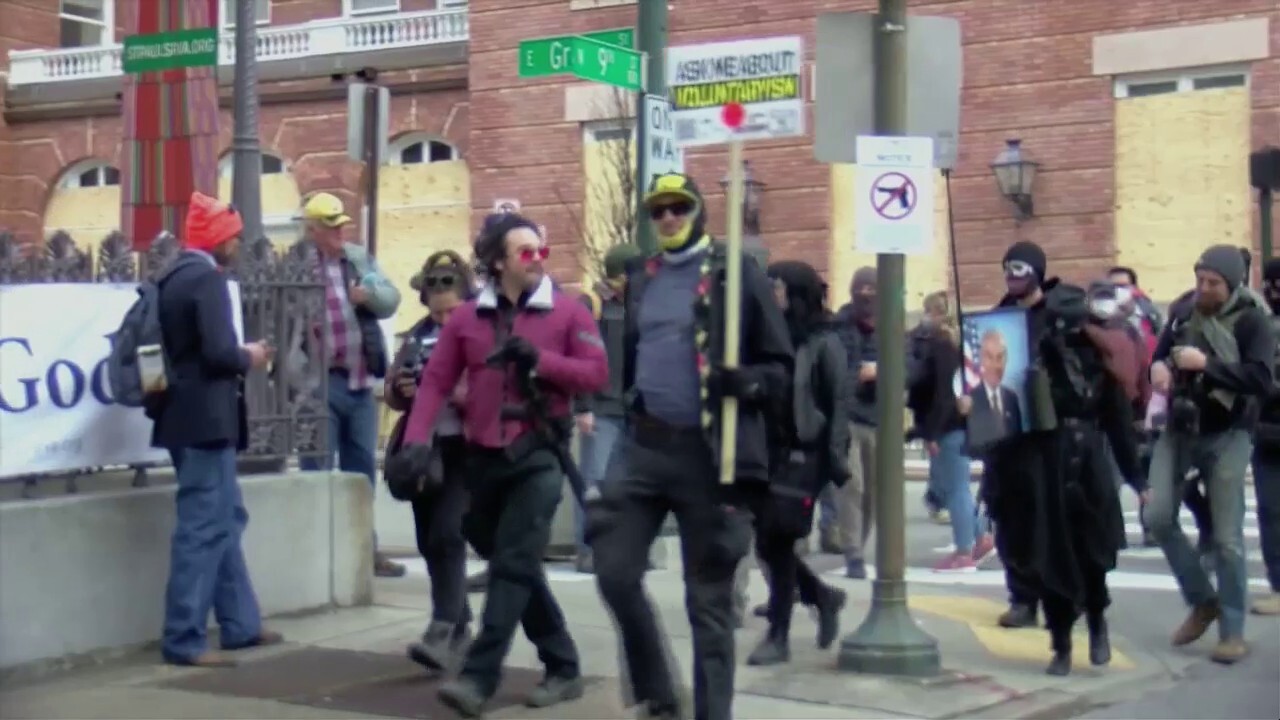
column 1063, row 704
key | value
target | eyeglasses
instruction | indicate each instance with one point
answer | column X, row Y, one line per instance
column 1018, row 268
column 532, row 254
column 676, row 209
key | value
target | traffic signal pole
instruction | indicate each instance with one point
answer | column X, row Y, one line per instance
column 651, row 39
column 889, row 642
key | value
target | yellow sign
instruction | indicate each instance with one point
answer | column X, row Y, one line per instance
column 754, row 90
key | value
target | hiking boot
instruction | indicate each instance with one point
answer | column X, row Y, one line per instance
column 555, row 689
column 384, row 567
column 829, row 616
column 1230, row 651
column 1018, row 616
column 1267, row 605
column 437, row 650
column 772, row 650
column 983, row 548
column 855, row 569
column 464, row 696
column 1060, row 664
column 1099, row 640
column 1196, row 625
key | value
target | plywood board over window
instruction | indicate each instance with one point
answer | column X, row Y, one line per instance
column 1181, row 184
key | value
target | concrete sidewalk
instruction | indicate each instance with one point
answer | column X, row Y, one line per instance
column 350, row 664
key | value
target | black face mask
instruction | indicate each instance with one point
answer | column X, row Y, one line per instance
column 864, row 306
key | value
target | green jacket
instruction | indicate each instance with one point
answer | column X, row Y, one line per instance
column 384, row 297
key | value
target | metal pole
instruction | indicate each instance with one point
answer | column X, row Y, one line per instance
column 1265, row 197
column 889, row 642
column 246, row 172
column 372, row 163
column 651, row 39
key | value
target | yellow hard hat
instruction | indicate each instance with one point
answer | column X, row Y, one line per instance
column 326, row 209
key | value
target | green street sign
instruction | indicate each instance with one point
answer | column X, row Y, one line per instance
column 609, row 64
column 194, row 47
column 553, row 55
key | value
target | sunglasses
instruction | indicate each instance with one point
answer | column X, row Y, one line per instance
column 533, row 254
column 1018, row 268
column 442, row 282
column 676, row 209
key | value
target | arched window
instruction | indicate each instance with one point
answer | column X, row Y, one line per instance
column 89, row 173
column 271, row 165
column 416, row 148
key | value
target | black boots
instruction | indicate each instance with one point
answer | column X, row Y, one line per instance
column 1018, row 616
column 833, row 600
column 1099, row 640
column 772, row 650
column 1060, row 641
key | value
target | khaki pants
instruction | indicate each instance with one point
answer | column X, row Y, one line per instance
column 855, row 502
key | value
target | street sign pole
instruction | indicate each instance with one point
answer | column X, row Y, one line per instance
column 651, row 31
column 889, row 642
column 246, row 169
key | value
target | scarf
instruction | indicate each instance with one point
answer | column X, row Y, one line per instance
column 1217, row 332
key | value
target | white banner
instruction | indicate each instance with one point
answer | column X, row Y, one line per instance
column 56, row 412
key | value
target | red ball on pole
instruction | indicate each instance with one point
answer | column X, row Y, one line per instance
column 733, row 114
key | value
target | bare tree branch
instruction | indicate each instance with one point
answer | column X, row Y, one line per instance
column 609, row 206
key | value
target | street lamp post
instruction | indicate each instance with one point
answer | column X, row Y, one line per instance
column 1015, row 175
column 246, row 172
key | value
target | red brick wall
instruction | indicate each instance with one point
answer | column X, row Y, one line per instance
column 1027, row 74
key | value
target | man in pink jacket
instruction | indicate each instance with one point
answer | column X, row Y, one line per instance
column 518, row 328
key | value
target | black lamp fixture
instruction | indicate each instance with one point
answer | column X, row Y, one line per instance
column 751, row 191
column 1015, row 175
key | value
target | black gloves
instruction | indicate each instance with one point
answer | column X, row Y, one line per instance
column 413, row 471
column 517, row 351
column 740, row 383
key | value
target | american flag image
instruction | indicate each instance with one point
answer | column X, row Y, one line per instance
column 972, row 341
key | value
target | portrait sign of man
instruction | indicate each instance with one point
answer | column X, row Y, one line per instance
column 995, row 412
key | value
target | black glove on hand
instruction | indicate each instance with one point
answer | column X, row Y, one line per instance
column 738, row 383
column 414, row 471
column 517, row 351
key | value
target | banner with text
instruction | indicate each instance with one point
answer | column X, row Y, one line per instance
column 56, row 411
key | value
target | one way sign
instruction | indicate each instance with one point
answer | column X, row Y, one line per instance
column 662, row 155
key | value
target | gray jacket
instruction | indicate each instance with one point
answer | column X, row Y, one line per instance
column 820, row 393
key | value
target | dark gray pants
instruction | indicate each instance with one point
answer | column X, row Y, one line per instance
column 509, row 524
column 437, row 523
column 657, row 472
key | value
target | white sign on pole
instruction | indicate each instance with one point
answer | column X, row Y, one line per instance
column 761, row 75
column 894, row 195
column 662, row 154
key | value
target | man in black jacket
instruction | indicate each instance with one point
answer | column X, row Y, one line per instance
column 675, row 342
column 1266, row 460
column 856, row 325
column 1216, row 363
column 201, row 421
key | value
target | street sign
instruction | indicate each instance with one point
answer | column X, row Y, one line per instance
column 357, row 116
column 609, row 64
column 554, row 55
column 762, row 75
column 173, row 50
column 894, row 195
column 844, row 97
column 662, row 155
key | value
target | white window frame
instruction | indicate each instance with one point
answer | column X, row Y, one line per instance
column 227, row 163
column 451, row 4
column 1184, row 78
column 396, row 147
column 70, row 179
column 228, row 20
column 597, row 131
column 348, row 9
column 108, row 21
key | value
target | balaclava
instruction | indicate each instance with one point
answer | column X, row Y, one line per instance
column 1024, row 268
column 673, row 187
column 864, row 306
column 805, row 294
column 1226, row 261
column 1271, row 284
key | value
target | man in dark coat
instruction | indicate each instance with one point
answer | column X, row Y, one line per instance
column 201, row 421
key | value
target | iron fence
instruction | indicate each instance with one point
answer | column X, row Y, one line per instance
column 282, row 302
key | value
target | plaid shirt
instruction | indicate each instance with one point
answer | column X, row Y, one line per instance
column 341, row 331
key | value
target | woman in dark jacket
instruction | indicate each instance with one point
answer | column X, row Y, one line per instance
column 817, row 451
column 444, row 283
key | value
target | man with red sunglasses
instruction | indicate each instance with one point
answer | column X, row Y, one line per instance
column 519, row 330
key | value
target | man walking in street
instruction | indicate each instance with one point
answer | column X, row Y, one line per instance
column 856, row 325
column 200, row 419
column 357, row 296
column 1215, row 360
column 1266, row 458
column 675, row 338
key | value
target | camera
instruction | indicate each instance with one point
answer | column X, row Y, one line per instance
column 416, row 360
column 1184, row 416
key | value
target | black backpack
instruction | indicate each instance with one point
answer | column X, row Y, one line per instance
column 139, row 328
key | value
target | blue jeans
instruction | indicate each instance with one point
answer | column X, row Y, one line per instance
column 353, row 431
column 206, row 565
column 1222, row 459
column 949, row 477
column 594, row 451
column 1266, row 484
column 828, row 521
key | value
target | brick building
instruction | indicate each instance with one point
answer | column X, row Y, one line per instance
column 1141, row 114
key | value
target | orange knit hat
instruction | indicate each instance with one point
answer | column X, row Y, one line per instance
column 210, row 223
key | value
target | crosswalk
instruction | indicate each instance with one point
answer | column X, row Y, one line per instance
column 1138, row 568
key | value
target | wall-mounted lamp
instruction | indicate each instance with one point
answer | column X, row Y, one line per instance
column 1015, row 175
column 751, row 191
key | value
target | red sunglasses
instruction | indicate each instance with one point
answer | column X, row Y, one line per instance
column 528, row 255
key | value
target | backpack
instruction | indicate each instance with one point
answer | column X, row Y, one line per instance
column 138, row 338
